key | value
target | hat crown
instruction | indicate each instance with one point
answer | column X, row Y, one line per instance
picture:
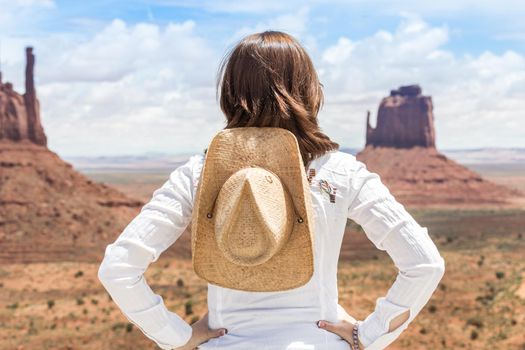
column 254, row 216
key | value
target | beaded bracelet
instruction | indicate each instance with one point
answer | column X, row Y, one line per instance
column 355, row 337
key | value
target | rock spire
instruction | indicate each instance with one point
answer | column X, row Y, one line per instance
column 20, row 114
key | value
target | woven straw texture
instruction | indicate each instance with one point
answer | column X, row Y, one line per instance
column 254, row 216
column 254, row 183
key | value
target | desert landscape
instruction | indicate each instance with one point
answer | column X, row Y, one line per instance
column 56, row 217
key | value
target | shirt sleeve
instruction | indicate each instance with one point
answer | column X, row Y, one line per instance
column 160, row 222
column 391, row 228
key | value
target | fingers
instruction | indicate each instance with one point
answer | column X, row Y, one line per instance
column 214, row 333
column 341, row 328
column 329, row 326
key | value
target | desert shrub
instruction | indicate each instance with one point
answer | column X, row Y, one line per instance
column 481, row 260
column 501, row 336
column 475, row 321
column 12, row 306
column 500, row 274
column 157, row 275
column 490, row 287
column 474, row 335
column 79, row 274
column 129, row 327
column 50, row 304
column 80, row 301
column 188, row 307
column 485, row 299
column 118, row 325
column 180, row 282
column 32, row 327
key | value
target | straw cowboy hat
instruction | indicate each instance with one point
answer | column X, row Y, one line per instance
column 252, row 223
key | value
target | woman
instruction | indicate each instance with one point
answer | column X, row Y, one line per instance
column 268, row 80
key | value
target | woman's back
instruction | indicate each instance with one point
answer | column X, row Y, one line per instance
column 287, row 319
column 341, row 188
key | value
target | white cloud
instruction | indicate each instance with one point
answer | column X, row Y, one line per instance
column 295, row 24
column 22, row 13
column 127, row 89
column 478, row 100
column 120, row 49
column 132, row 88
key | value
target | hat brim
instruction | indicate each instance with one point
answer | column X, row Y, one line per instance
column 277, row 150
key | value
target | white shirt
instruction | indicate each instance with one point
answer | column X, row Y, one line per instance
column 285, row 319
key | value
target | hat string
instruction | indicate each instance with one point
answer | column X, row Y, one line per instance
column 300, row 219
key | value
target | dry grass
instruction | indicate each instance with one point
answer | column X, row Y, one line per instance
column 477, row 305
column 480, row 303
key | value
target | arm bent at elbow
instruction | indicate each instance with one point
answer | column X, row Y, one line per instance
column 158, row 225
column 420, row 266
column 399, row 320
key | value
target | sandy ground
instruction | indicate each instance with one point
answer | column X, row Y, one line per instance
column 480, row 303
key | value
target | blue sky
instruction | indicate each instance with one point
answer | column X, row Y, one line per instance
column 477, row 26
column 128, row 77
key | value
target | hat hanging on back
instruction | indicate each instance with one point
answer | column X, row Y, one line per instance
column 252, row 223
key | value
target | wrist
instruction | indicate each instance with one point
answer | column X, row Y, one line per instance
column 356, row 342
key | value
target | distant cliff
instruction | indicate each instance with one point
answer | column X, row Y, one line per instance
column 20, row 114
column 48, row 210
column 404, row 120
column 402, row 150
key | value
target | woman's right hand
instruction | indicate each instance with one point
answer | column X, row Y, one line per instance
column 201, row 334
column 342, row 328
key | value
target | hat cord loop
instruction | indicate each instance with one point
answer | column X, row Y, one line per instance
column 300, row 220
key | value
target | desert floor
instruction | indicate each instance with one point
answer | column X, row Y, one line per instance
column 480, row 303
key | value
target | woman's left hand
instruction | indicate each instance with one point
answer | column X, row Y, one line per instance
column 342, row 328
column 201, row 334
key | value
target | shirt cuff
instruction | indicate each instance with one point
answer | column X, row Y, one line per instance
column 164, row 327
column 373, row 331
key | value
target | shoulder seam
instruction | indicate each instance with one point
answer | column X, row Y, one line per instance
column 344, row 157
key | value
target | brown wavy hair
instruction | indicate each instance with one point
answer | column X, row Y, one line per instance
column 268, row 80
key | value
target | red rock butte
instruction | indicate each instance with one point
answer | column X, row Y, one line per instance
column 20, row 114
column 402, row 150
column 48, row 210
column 404, row 120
